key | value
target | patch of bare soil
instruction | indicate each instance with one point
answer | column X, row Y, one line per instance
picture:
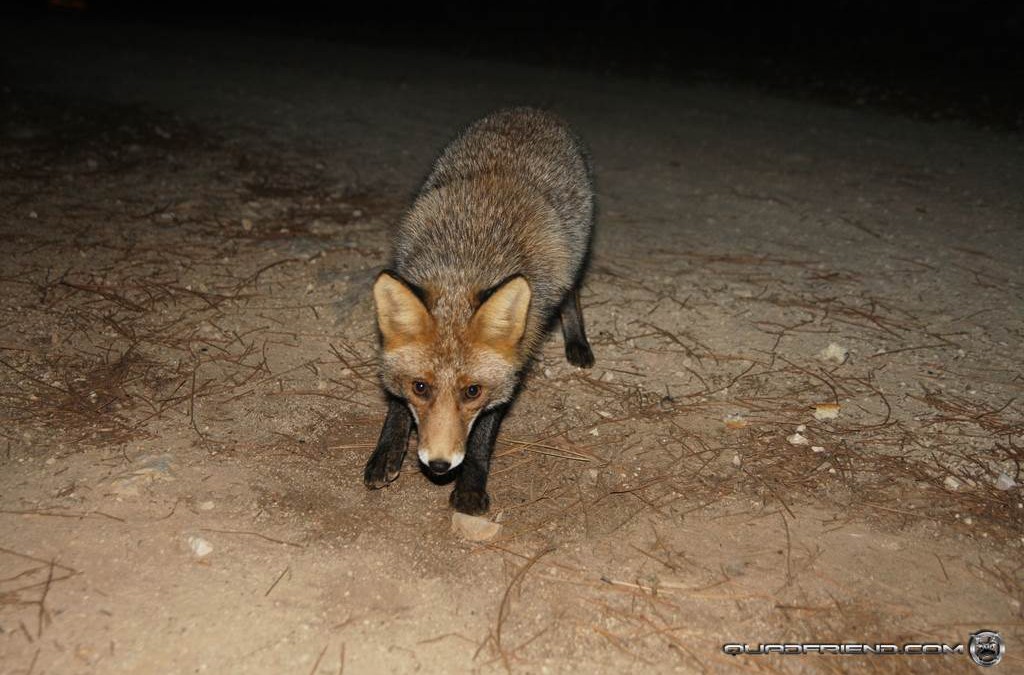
column 772, row 447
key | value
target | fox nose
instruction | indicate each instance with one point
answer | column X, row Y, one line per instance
column 439, row 466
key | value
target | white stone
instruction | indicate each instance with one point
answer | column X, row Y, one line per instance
column 1004, row 482
column 826, row 411
column 200, row 547
column 834, row 352
column 474, row 528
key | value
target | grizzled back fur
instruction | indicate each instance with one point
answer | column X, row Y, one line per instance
column 511, row 195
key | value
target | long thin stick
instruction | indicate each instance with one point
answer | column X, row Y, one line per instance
column 506, row 601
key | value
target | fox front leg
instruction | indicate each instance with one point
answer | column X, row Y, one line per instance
column 470, row 493
column 385, row 463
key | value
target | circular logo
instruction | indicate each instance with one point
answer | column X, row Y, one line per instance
column 986, row 648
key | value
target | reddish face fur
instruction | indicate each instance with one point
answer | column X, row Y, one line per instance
column 452, row 361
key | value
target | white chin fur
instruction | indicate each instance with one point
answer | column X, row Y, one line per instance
column 424, row 455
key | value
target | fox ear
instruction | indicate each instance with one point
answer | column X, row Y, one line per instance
column 401, row 315
column 501, row 320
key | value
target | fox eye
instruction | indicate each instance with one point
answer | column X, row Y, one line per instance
column 421, row 388
column 472, row 391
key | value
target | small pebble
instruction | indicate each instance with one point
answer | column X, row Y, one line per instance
column 1004, row 482
column 826, row 411
column 834, row 352
column 474, row 528
column 200, row 547
column 734, row 421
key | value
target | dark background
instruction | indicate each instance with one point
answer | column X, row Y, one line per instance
column 937, row 59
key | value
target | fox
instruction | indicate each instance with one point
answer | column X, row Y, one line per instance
column 490, row 253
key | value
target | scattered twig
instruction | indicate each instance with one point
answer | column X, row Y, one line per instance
column 506, row 602
column 280, row 576
column 254, row 534
column 316, row 664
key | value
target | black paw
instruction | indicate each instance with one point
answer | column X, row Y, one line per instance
column 471, row 502
column 579, row 354
column 376, row 474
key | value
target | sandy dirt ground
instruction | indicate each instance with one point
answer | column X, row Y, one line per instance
column 804, row 424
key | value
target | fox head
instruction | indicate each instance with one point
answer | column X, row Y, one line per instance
column 452, row 361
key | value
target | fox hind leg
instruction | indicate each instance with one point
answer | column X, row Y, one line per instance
column 577, row 347
column 385, row 463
